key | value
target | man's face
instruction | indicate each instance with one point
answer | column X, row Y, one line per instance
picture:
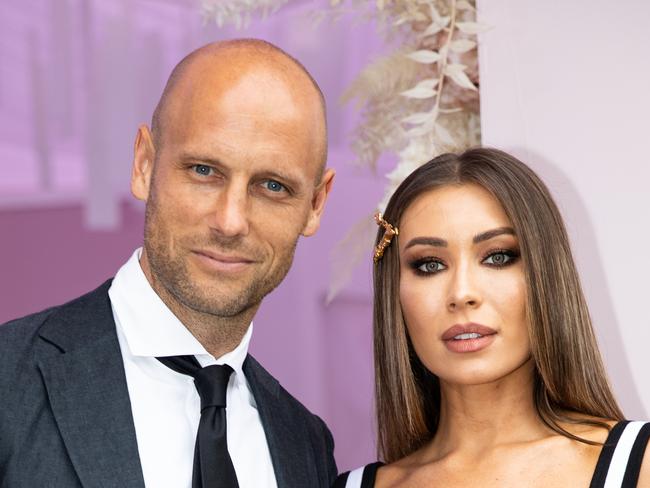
column 232, row 187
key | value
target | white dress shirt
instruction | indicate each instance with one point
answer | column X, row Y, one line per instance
column 165, row 404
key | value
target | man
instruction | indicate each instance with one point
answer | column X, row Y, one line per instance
column 91, row 392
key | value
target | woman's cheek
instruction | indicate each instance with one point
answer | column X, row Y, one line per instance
column 421, row 311
column 509, row 297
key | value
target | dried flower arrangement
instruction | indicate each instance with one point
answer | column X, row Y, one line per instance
column 421, row 100
column 417, row 102
column 238, row 12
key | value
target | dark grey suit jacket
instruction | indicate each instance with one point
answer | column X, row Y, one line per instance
column 65, row 413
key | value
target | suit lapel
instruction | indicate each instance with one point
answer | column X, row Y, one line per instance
column 287, row 435
column 82, row 368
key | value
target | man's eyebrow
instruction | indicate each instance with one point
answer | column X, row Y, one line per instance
column 426, row 241
column 290, row 180
column 487, row 235
column 295, row 183
column 198, row 158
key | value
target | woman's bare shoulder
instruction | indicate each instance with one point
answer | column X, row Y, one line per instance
column 587, row 427
column 397, row 473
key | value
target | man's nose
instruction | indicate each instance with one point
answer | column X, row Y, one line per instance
column 231, row 213
column 463, row 289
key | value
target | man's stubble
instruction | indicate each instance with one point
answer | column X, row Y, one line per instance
column 171, row 271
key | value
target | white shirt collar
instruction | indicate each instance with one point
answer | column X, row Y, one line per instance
column 151, row 329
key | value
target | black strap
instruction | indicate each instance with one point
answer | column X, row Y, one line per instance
column 341, row 480
column 633, row 468
column 213, row 466
column 367, row 478
column 370, row 475
column 606, row 453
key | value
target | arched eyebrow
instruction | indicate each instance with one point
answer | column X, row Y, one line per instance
column 487, row 235
column 438, row 242
column 426, row 241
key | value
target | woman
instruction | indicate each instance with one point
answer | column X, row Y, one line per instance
column 487, row 369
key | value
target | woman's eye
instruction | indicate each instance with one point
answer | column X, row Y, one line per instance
column 500, row 258
column 202, row 169
column 429, row 267
column 274, row 186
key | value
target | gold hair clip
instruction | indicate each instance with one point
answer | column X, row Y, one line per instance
column 390, row 231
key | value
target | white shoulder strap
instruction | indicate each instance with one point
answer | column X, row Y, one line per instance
column 354, row 478
column 621, row 455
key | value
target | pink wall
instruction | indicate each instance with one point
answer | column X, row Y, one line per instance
column 47, row 256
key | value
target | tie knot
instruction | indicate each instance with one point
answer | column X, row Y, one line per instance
column 211, row 382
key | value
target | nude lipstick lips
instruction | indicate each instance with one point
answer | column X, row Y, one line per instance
column 464, row 338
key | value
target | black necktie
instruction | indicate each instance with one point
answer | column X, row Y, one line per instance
column 212, row 464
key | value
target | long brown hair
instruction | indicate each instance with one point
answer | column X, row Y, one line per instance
column 569, row 374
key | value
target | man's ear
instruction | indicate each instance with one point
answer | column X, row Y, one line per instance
column 318, row 203
column 143, row 158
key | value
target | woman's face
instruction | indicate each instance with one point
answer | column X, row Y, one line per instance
column 462, row 285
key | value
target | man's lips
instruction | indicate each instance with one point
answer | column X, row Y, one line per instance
column 222, row 263
column 467, row 331
column 224, row 258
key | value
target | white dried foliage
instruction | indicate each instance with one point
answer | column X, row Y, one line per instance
column 414, row 155
column 424, row 56
column 237, row 12
column 430, row 105
column 376, row 91
column 419, row 91
column 471, row 27
column 348, row 252
column 462, row 45
column 464, row 5
column 456, row 73
column 417, row 118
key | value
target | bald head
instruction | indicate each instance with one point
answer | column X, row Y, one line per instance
column 222, row 65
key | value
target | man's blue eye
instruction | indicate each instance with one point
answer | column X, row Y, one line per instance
column 202, row 169
column 274, row 186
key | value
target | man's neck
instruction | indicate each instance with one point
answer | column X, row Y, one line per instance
column 218, row 335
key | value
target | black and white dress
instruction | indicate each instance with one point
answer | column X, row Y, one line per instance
column 618, row 465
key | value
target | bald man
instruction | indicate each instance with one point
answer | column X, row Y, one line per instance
column 147, row 381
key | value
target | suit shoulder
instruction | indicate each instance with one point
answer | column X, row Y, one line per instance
column 22, row 329
column 19, row 333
